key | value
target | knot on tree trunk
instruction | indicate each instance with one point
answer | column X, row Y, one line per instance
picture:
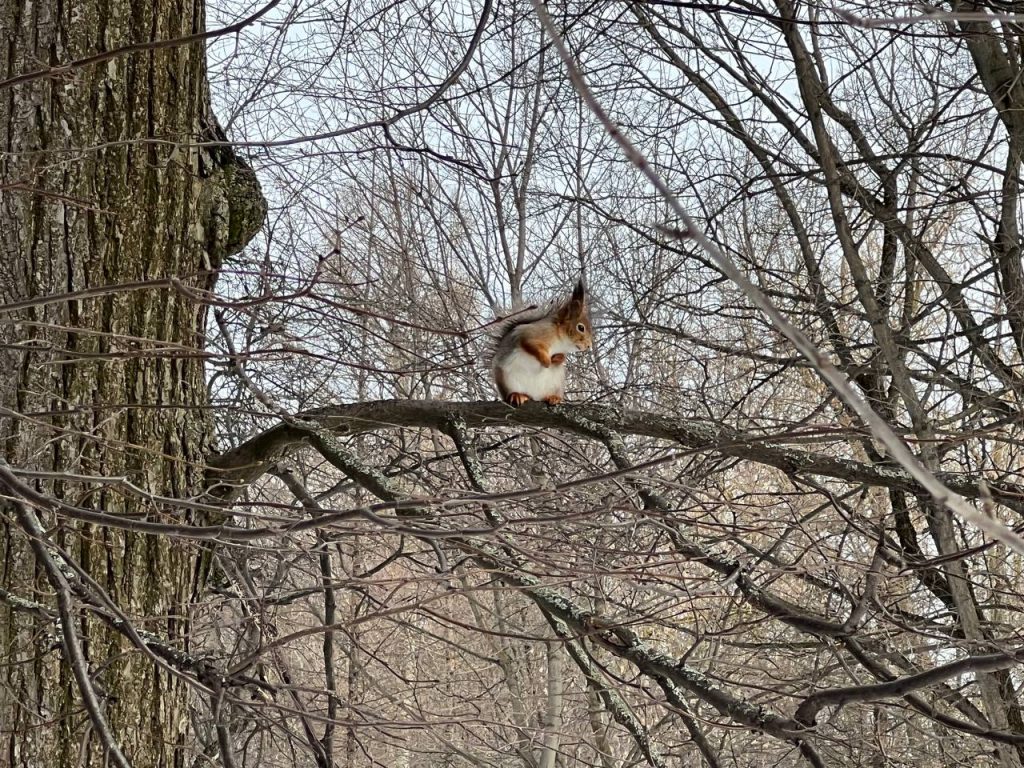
column 232, row 206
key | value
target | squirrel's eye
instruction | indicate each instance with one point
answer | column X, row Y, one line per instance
column 581, row 328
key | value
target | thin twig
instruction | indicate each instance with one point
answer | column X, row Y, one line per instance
column 832, row 376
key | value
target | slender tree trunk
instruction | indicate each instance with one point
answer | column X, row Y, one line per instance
column 101, row 184
column 552, row 718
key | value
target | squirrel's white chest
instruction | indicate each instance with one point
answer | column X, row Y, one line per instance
column 522, row 372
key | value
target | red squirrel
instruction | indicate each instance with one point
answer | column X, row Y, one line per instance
column 529, row 355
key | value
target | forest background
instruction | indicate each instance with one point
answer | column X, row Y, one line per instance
column 260, row 507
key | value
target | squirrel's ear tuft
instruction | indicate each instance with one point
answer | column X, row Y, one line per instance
column 579, row 293
column 573, row 307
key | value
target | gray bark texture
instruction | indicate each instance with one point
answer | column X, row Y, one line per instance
column 102, row 184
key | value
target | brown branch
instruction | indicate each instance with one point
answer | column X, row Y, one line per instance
column 979, row 728
column 250, row 460
column 808, row 711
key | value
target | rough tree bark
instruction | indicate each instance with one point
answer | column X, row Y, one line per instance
column 101, row 184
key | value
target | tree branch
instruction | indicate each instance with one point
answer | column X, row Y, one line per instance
column 247, row 462
column 808, row 711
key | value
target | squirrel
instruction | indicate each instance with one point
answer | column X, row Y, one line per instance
column 528, row 362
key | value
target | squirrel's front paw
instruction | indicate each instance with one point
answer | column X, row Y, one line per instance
column 553, row 399
column 516, row 398
column 557, row 359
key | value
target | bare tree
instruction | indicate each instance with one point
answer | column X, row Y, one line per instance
column 770, row 527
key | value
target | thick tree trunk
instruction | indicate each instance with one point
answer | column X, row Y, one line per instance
column 101, row 184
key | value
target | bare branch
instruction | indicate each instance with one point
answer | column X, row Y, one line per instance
column 833, row 376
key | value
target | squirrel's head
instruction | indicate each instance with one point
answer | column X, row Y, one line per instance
column 573, row 318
